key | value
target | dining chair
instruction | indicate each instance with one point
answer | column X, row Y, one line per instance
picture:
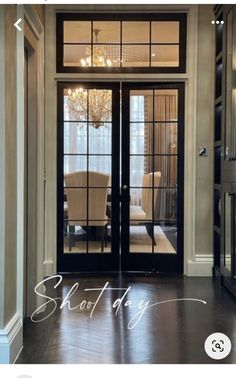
column 86, row 202
column 149, row 199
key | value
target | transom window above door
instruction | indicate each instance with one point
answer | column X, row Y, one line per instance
column 121, row 43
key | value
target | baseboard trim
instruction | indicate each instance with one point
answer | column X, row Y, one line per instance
column 11, row 340
column 48, row 268
column 201, row 266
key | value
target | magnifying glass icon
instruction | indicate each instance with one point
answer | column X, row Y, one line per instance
column 217, row 345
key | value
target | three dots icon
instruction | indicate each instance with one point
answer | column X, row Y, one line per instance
column 217, row 22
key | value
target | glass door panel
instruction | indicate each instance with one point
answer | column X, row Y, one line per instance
column 152, row 173
column 88, row 176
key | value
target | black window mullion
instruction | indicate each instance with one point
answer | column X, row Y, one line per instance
column 153, row 170
column 121, row 43
column 87, row 221
column 92, row 43
column 150, row 41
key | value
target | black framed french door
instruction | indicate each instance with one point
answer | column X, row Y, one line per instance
column 88, row 167
column 152, row 177
column 114, row 218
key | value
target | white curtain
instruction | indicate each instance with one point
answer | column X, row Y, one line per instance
column 165, row 142
column 76, row 142
column 136, row 147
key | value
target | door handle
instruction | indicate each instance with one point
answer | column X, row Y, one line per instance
column 227, row 153
column 124, row 187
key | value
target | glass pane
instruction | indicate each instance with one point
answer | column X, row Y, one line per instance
column 99, row 219
column 166, row 105
column 228, row 231
column 165, row 139
column 165, row 206
column 99, row 238
column 100, row 164
column 75, row 238
column 136, row 170
column 77, row 179
column 140, row 242
column 100, row 139
column 75, row 104
column 75, row 220
column 141, row 200
column 106, row 31
column 106, row 56
column 166, row 239
column 167, row 166
column 77, row 55
column 75, row 138
column 112, row 54
column 75, row 205
column 146, row 204
column 141, row 106
column 137, row 138
column 97, row 206
column 135, row 32
column 165, row 56
column 100, row 106
column 74, row 163
column 165, row 32
column 135, row 56
column 77, row 31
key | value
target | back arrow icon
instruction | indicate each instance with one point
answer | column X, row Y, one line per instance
column 16, row 24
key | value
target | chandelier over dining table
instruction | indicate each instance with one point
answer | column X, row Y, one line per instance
column 93, row 105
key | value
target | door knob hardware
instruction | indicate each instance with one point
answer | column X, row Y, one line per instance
column 227, row 153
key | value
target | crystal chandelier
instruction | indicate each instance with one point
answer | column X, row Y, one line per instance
column 91, row 104
column 108, row 55
column 99, row 58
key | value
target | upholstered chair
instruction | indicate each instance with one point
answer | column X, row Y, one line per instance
column 149, row 198
column 86, row 202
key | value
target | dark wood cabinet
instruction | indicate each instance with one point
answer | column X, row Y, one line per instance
column 224, row 239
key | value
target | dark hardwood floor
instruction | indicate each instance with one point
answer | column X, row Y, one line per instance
column 173, row 332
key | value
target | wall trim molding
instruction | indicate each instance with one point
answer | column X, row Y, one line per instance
column 33, row 20
column 190, row 138
column 2, row 164
column 51, row 121
column 11, row 340
column 34, row 37
column 20, row 165
column 200, row 266
column 48, row 268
